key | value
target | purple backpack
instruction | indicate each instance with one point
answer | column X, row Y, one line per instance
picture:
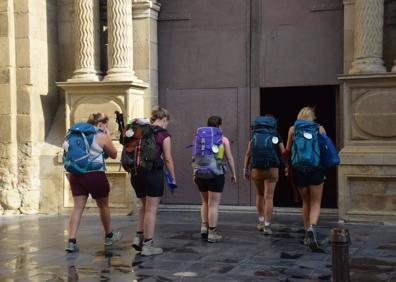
column 206, row 160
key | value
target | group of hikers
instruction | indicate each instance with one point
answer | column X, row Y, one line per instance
column 148, row 158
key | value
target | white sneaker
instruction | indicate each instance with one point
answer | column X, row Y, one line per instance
column 204, row 231
column 116, row 237
column 214, row 236
column 137, row 242
column 267, row 230
column 149, row 250
column 260, row 226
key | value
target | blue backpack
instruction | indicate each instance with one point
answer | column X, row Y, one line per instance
column 76, row 149
column 264, row 143
column 208, row 153
column 328, row 152
column 305, row 152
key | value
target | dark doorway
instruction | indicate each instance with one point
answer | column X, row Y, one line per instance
column 284, row 103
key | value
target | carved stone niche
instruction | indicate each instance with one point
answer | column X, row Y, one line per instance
column 84, row 98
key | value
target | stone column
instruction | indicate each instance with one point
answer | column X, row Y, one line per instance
column 120, row 41
column 369, row 22
column 87, row 40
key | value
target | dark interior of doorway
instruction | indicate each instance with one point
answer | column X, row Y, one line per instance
column 284, row 103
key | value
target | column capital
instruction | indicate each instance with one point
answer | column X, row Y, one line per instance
column 145, row 9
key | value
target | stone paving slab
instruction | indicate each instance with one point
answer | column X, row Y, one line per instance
column 32, row 249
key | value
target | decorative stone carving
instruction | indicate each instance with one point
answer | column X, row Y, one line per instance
column 87, row 52
column 369, row 21
column 120, row 41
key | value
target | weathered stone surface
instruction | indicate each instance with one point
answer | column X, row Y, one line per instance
column 10, row 199
column 30, row 202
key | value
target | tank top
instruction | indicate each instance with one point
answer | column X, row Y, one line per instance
column 96, row 154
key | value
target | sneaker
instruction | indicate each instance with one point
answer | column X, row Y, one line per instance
column 267, row 230
column 311, row 239
column 149, row 250
column 71, row 247
column 214, row 236
column 137, row 243
column 204, row 231
column 305, row 241
column 116, row 237
column 260, row 226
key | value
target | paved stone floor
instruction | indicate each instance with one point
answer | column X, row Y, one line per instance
column 32, row 249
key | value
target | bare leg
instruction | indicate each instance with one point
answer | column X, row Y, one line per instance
column 104, row 211
column 269, row 199
column 142, row 211
column 315, row 193
column 304, row 192
column 150, row 216
column 204, row 207
column 75, row 216
column 214, row 202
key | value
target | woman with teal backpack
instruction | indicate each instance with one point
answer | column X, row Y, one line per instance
column 307, row 173
column 261, row 164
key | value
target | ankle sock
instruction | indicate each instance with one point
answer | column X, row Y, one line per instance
column 109, row 235
column 261, row 218
column 147, row 240
column 212, row 228
column 267, row 223
column 139, row 234
column 73, row 240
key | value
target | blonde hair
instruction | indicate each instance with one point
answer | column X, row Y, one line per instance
column 95, row 118
column 159, row 113
column 307, row 113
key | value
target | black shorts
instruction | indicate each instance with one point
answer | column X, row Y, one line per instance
column 149, row 183
column 306, row 178
column 213, row 184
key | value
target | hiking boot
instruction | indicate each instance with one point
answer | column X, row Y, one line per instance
column 267, row 230
column 260, row 226
column 137, row 243
column 214, row 236
column 149, row 250
column 71, row 247
column 204, row 231
column 110, row 240
column 311, row 239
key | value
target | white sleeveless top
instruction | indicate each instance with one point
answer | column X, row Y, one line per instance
column 96, row 153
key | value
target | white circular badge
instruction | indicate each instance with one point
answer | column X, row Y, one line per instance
column 307, row 135
column 129, row 133
column 275, row 140
column 215, row 148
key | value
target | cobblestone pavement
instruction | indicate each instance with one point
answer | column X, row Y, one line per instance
column 32, row 249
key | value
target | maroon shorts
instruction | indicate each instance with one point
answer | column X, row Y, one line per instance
column 94, row 183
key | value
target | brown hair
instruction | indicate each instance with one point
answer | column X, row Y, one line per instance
column 215, row 121
column 95, row 118
column 159, row 113
column 307, row 113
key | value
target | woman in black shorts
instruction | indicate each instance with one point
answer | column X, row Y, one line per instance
column 149, row 185
column 309, row 184
column 94, row 183
column 211, row 190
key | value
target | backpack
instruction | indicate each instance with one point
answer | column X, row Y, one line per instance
column 208, row 153
column 76, row 148
column 264, row 143
column 140, row 152
column 328, row 152
column 305, row 152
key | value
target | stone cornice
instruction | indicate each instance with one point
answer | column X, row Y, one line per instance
column 145, row 9
column 355, row 77
column 103, row 85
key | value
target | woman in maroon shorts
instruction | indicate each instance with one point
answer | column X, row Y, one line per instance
column 94, row 183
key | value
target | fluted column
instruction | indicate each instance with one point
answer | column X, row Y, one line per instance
column 120, row 41
column 369, row 22
column 87, row 40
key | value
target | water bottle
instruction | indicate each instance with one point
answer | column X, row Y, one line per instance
column 220, row 153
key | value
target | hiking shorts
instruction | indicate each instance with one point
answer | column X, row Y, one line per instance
column 260, row 174
column 148, row 183
column 94, row 183
column 215, row 184
column 307, row 178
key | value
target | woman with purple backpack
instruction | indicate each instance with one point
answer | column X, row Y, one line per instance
column 210, row 177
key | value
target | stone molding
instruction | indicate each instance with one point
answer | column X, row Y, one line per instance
column 369, row 22
column 86, row 25
column 145, row 9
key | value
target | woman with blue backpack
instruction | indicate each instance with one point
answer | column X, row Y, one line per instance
column 307, row 172
column 209, row 168
column 261, row 164
column 87, row 173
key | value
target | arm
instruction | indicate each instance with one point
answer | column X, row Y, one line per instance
column 290, row 138
column 108, row 146
column 322, row 130
column 167, row 154
column 246, row 173
column 230, row 159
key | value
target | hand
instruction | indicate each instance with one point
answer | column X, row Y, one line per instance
column 246, row 174
column 194, row 178
column 286, row 172
column 233, row 179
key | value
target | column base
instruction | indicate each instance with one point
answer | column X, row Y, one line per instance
column 367, row 65
column 85, row 75
column 121, row 75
